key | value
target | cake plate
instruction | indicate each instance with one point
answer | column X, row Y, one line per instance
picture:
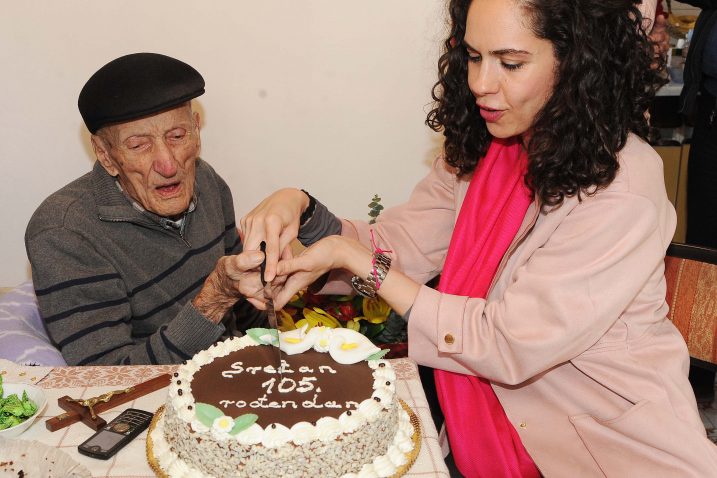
column 157, row 425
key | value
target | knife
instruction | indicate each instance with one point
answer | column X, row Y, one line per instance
column 271, row 313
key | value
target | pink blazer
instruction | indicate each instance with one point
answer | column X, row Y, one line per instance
column 574, row 334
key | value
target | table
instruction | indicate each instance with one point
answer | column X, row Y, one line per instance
column 85, row 382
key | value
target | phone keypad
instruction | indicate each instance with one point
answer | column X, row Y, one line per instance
column 127, row 421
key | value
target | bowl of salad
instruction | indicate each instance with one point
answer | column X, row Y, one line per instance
column 20, row 405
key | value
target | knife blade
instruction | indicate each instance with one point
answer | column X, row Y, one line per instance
column 271, row 313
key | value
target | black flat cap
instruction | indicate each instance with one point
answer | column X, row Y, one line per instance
column 136, row 85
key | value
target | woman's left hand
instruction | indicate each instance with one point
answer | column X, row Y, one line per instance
column 332, row 252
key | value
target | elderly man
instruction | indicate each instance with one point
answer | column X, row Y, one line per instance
column 130, row 261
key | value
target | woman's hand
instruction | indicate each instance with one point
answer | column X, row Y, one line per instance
column 276, row 221
column 340, row 252
column 332, row 252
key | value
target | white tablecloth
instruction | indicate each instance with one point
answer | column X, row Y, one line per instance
column 85, row 382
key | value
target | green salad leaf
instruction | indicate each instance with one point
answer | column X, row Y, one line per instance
column 13, row 406
column 15, row 410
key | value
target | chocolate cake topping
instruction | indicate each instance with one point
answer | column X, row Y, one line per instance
column 246, row 381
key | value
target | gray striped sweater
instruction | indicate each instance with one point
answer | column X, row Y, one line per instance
column 114, row 286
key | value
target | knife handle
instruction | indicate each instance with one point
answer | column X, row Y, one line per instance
column 262, row 248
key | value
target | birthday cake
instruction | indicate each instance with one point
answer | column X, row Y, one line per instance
column 328, row 409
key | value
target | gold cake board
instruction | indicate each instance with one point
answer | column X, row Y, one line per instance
column 402, row 470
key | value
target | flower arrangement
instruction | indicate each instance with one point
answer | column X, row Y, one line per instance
column 370, row 317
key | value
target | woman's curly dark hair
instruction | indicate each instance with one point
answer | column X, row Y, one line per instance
column 606, row 77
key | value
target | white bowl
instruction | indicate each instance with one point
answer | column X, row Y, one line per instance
column 34, row 393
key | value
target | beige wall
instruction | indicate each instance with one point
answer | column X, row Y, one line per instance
column 328, row 95
column 679, row 8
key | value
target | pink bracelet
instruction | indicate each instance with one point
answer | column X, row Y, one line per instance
column 376, row 251
column 380, row 264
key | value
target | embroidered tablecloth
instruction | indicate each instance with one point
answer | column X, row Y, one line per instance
column 85, row 382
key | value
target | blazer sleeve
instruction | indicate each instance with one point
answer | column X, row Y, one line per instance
column 648, row 8
column 561, row 300
column 417, row 232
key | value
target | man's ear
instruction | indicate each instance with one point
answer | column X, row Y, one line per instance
column 101, row 148
column 198, row 126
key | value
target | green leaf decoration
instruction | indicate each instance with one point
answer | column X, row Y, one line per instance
column 242, row 422
column 372, row 330
column 206, row 414
column 374, row 208
column 298, row 303
column 257, row 333
column 378, row 354
column 394, row 330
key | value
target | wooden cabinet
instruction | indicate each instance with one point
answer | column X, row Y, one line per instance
column 674, row 159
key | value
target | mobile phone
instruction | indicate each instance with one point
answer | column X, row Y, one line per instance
column 116, row 434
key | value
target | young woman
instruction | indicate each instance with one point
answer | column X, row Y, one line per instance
column 548, row 221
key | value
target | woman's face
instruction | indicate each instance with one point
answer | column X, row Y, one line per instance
column 510, row 71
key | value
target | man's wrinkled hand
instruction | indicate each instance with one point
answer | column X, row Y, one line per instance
column 232, row 278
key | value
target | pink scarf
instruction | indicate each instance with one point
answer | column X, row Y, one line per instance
column 483, row 441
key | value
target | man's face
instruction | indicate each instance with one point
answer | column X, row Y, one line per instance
column 154, row 158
